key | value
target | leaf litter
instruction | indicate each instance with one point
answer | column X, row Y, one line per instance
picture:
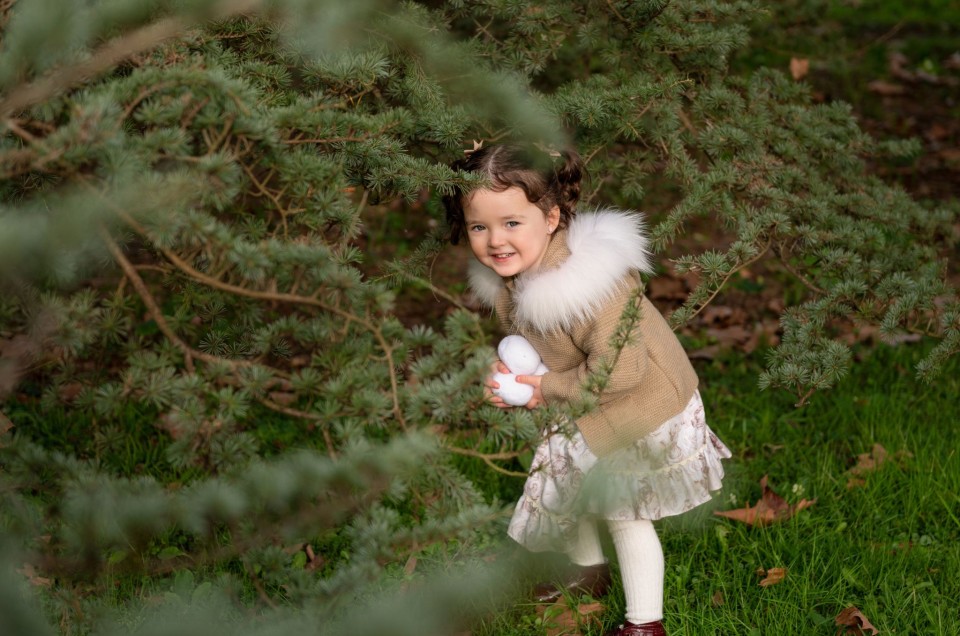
column 870, row 462
column 771, row 576
column 565, row 619
column 852, row 621
column 771, row 508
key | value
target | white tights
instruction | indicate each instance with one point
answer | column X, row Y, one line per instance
column 641, row 563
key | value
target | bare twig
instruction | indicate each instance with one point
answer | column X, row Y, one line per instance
column 14, row 125
column 806, row 396
column 488, row 459
column 803, row 279
column 685, row 120
column 423, row 282
column 279, row 408
column 726, row 278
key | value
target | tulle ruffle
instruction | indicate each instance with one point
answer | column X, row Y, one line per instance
column 670, row 471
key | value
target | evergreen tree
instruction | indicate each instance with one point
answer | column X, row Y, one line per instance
column 184, row 192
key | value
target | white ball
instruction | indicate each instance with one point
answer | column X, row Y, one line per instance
column 519, row 355
column 511, row 391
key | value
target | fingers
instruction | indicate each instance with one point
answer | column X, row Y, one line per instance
column 490, row 384
column 499, row 367
column 496, row 400
column 532, row 380
column 492, row 398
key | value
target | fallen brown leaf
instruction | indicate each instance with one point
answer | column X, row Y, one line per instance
column 937, row 131
column 772, row 576
column 869, row 462
column 301, row 360
column 772, row 508
column 897, row 64
column 589, row 609
column 855, row 482
column 5, row 424
column 283, row 398
column 950, row 155
column 562, row 619
column 666, row 288
column 730, row 336
column 717, row 599
column 719, row 314
column 67, row 392
column 799, row 67
column 852, row 621
column 880, row 87
column 705, row 353
column 314, row 562
column 410, row 567
column 32, row 576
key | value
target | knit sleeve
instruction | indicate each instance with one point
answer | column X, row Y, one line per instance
column 503, row 310
column 593, row 338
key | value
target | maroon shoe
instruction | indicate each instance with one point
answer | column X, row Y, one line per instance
column 653, row 628
column 580, row 579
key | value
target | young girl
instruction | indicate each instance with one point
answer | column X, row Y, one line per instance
column 562, row 281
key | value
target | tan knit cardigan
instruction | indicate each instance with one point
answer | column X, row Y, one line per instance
column 569, row 308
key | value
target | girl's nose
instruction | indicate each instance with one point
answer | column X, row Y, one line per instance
column 494, row 239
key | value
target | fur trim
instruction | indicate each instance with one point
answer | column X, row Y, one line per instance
column 484, row 283
column 604, row 246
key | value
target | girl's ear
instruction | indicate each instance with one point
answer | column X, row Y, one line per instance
column 553, row 219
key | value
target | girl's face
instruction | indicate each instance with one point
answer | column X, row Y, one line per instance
column 507, row 233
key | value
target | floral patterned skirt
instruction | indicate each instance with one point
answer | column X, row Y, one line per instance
column 670, row 471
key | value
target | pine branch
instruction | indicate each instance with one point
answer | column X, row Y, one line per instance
column 131, row 273
column 108, row 56
column 19, row 98
column 156, row 313
column 312, row 301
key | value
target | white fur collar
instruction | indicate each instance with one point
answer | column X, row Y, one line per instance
column 604, row 246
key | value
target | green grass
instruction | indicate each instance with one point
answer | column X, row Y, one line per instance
column 890, row 547
column 848, row 44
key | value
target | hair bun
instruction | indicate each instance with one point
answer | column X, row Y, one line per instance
column 569, row 175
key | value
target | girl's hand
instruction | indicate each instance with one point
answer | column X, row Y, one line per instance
column 489, row 385
column 534, row 381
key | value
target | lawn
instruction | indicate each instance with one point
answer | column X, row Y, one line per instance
column 877, row 454
column 884, row 541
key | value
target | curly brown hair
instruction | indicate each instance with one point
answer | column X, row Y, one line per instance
column 546, row 179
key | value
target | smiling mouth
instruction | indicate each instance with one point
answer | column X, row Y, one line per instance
column 502, row 257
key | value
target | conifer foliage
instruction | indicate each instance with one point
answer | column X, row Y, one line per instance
column 183, row 191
